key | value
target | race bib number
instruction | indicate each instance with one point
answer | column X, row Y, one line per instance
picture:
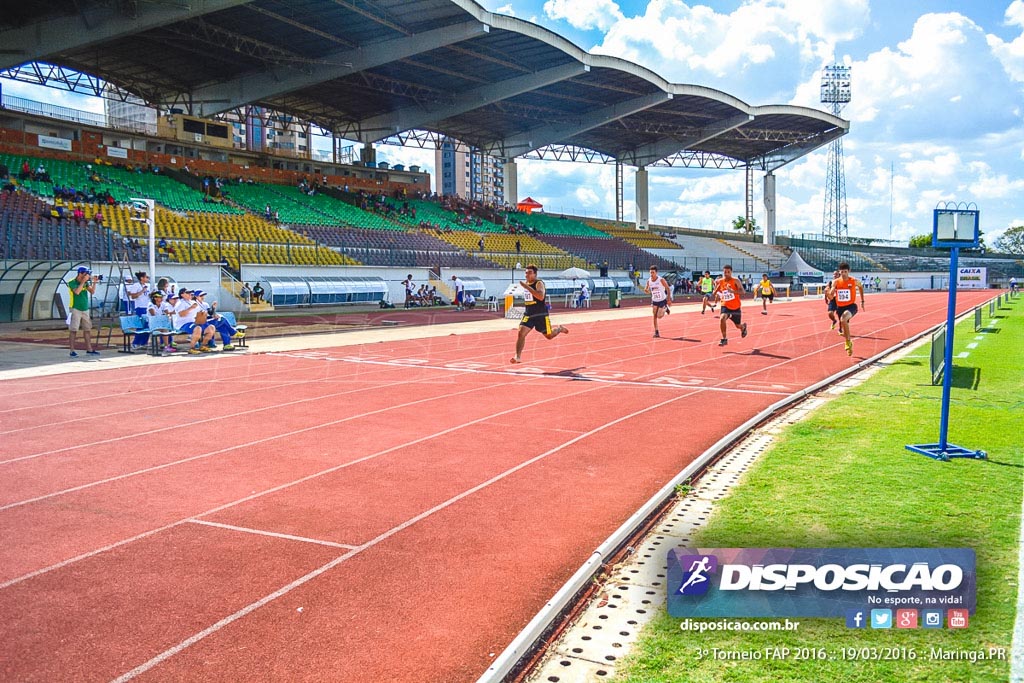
column 727, row 295
column 844, row 296
column 528, row 297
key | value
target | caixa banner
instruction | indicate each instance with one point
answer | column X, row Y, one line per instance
column 817, row 582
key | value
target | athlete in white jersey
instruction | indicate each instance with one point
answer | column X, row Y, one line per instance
column 661, row 297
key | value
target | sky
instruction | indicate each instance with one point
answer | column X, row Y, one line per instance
column 937, row 109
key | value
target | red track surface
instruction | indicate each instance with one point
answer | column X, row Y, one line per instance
column 391, row 512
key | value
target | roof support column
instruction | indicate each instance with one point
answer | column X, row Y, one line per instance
column 769, row 208
column 642, row 210
column 511, row 182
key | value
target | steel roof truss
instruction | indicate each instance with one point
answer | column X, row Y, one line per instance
column 386, row 125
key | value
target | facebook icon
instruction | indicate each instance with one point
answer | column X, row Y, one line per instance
column 856, row 618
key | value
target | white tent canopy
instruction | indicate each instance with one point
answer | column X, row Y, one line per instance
column 795, row 265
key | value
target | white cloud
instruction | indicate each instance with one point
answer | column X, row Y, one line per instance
column 1011, row 54
column 506, row 9
column 738, row 52
column 584, row 14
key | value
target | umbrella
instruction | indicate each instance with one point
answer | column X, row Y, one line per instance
column 574, row 272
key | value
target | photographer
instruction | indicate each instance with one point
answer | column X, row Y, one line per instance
column 81, row 288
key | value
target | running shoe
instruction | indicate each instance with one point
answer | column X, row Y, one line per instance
column 833, row 326
column 849, row 348
column 723, row 342
column 92, row 353
column 193, row 352
column 743, row 330
column 657, row 335
column 228, row 347
column 73, row 354
column 764, row 312
column 668, row 311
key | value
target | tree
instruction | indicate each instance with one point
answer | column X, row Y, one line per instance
column 740, row 223
column 920, row 241
column 1011, row 241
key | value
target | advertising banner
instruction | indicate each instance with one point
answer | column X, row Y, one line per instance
column 55, row 143
column 972, row 278
column 117, row 152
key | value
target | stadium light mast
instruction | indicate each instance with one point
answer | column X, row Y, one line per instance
column 835, row 90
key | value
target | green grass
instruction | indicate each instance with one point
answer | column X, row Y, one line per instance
column 843, row 478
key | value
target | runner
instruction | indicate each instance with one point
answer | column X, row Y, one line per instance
column 767, row 291
column 707, row 289
column 728, row 289
column 536, row 315
column 845, row 290
column 661, row 297
column 830, row 300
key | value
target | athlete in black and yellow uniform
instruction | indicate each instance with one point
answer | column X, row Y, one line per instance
column 536, row 315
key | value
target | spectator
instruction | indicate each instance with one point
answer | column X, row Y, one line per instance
column 481, row 243
column 82, row 287
column 468, row 301
column 138, row 295
column 583, row 295
column 257, row 293
column 215, row 320
column 158, row 306
column 519, row 247
column 127, row 305
column 190, row 318
column 246, row 293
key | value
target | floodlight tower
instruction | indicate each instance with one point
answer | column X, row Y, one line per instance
column 835, row 90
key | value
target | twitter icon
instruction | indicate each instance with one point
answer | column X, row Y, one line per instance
column 881, row 618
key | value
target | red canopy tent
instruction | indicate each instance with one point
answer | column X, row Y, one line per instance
column 528, row 205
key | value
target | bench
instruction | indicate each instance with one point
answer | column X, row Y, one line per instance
column 130, row 326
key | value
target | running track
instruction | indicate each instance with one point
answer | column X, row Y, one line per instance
column 386, row 512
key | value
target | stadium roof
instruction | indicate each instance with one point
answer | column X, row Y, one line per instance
column 371, row 69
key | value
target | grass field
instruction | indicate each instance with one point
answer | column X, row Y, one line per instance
column 842, row 478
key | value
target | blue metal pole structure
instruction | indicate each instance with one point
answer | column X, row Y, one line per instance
column 947, row 377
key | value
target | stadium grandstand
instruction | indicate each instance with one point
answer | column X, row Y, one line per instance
column 364, row 506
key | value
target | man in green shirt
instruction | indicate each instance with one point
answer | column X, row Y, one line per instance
column 81, row 288
column 707, row 289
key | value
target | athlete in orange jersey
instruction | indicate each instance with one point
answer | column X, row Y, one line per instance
column 728, row 290
column 844, row 290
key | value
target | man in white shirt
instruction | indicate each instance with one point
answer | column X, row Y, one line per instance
column 583, row 295
column 460, row 291
column 137, row 294
column 186, row 313
column 410, row 289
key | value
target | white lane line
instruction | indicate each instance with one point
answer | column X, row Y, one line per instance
column 216, row 418
column 237, row 447
column 188, row 642
column 963, row 354
column 972, row 345
column 281, row 487
column 540, row 373
column 274, row 534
